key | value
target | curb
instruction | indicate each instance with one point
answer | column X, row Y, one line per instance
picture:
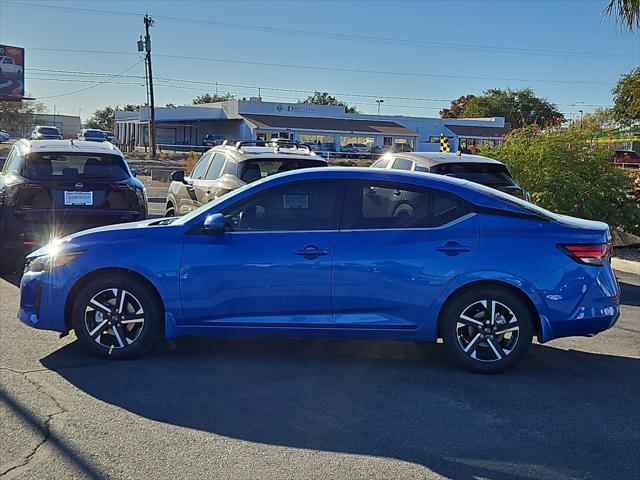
column 627, row 266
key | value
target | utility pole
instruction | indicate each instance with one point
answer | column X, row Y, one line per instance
column 148, row 22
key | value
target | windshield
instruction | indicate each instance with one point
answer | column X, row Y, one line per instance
column 253, row 170
column 484, row 173
column 49, row 131
column 74, row 166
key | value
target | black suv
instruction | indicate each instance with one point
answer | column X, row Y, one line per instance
column 50, row 188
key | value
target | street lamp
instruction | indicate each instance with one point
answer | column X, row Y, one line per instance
column 379, row 102
column 581, row 113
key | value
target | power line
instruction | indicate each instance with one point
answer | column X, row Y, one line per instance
column 342, row 36
column 248, row 87
column 331, row 69
column 92, row 86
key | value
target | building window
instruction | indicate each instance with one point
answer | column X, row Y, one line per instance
column 368, row 141
column 436, row 139
column 325, row 142
column 387, row 141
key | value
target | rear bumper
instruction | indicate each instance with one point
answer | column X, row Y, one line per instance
column 583, row 301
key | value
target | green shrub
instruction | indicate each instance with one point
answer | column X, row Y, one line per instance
column 567, row 173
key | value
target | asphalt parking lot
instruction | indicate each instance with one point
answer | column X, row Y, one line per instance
column 291, row 409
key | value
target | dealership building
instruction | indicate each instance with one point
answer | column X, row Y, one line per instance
column 330, row 127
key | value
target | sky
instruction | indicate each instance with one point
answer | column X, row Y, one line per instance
column 415, row 55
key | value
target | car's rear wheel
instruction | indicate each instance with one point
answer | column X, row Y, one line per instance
column 170, row 212
column 488, row 329
column 116, row 316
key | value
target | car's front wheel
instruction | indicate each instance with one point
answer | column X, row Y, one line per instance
column 488, row 329
column 116, row 316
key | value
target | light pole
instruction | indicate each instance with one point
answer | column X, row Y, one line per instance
column 581, row 113
column 379, row 102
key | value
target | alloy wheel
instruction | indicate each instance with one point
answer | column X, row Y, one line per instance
column 114, row 318
column 487, row 330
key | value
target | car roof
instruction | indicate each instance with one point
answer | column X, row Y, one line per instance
column 254, row 152
column 436, row 158
column 29, row 146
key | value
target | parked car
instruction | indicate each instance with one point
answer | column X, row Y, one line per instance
column 109, row 136
column 474, row 168
column 349, row 253
column 398, row 147
column 230, row 166
column 355, row 148
column 213, row 140
column 4, row 136
column 626, row 157
column 42, row 132
column 8, row 67
column 92, row 135
column 49, row 188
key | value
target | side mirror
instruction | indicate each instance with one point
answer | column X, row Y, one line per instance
column 214, row 223
column 178, row 176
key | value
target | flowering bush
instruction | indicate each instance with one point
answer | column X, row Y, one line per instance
column 567, row 173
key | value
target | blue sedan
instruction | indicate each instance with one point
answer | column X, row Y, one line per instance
column 334, row 253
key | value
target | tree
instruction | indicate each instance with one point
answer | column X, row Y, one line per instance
column 457, row 107
column 626, row 98
column 569, row 174
column 102, row 119
column 518, row 107
column 208, row 98
column 18, row 116
column 601, row 120
column 323, row 98
column 128, row 108
column 626, row 12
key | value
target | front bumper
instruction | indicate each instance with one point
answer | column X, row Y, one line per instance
column 42, row 301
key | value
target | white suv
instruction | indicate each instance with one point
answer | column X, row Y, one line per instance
column 8, row 67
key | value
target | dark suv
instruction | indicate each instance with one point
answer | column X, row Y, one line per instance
column 50, row 188
column 474, row 168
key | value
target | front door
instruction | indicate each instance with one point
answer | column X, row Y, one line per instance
column 398, row 248
column 271, row 266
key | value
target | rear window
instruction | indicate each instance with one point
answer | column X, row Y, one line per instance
column 93, row 133
column 49, row 131
column 253, row 170
column 483, row 173
column 74, row 166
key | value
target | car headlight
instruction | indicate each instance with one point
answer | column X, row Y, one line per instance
column 49, row 262
column 141, row 196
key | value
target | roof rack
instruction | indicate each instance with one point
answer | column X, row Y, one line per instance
column 276, row 144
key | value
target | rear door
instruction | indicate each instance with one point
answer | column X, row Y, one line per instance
column 398, row 247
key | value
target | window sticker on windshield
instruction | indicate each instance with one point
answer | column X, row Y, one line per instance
column 296, row 201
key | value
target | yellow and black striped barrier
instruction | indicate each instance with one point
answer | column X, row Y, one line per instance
column 444, row 144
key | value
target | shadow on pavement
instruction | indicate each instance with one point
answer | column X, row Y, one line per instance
column 561, row 414
column 629, row 294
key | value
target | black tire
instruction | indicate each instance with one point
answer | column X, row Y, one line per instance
column 117, row 340
column 487, row 348
column 170, row 211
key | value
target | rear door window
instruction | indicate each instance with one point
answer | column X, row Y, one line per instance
column 74, row 166
column 382, row 205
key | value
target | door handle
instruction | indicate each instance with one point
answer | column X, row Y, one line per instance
column 453, row 248
column 311, row 252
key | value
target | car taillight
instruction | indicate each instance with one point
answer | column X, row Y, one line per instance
column 588, row 253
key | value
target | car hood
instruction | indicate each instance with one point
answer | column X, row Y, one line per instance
column 101, row 235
